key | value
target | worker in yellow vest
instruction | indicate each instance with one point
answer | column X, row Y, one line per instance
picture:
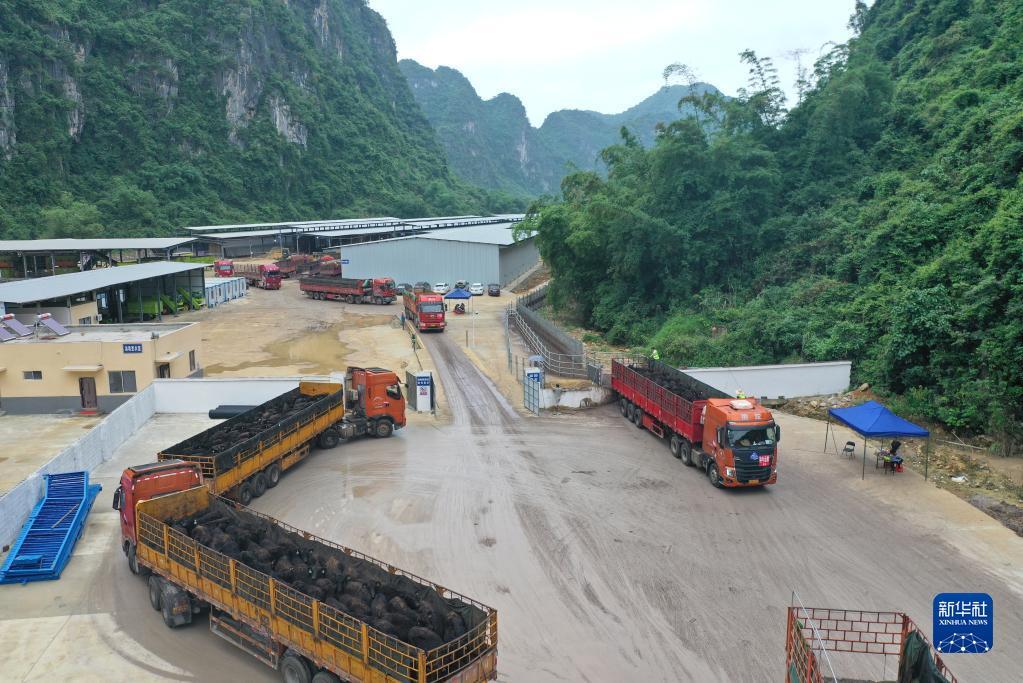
column 655, row 355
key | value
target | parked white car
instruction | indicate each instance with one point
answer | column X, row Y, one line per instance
column 441, row 288
column 476, row 289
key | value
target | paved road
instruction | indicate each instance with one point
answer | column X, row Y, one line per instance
column 606, row 559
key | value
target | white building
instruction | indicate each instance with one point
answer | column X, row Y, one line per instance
column 478, row 253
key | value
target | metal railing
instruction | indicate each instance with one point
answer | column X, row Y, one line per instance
column 554, row 363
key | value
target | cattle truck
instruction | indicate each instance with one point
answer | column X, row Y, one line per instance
column 244, row 456
column 306, row 640
column 351, row 290
column 425, row 311
column 734, row 441
column 262, row 275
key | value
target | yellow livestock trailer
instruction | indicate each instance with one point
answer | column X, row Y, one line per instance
column 253, row 463
column 285, row 628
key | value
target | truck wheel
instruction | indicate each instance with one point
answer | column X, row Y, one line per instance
column 273, row 475
column 133, row 563
column 637, row 417
column 629, row 408
column 294, row 668
column 325, row 677
column 258, row 485
column 328, row 439
column 623, row 406
column 687, row 453
column 245, row 494
column 676, row 446
column 714, row 475
column 168, row 615
column 155, row 590
column 384, row 429
column 350, row 299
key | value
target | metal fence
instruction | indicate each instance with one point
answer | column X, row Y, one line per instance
column 562, row 355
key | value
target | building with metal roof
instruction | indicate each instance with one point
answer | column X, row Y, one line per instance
column 478, row 253
column 125, row 293
column 313, row 236
column 40, row 258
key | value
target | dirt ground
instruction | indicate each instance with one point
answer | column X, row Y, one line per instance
column 29, row 441
column 271, row 333
column 990, row 482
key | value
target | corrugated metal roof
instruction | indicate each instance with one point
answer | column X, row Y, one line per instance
column 293, row 224
column 498, row 233
column 354, row 232
column 94, row 244
column 58, row 286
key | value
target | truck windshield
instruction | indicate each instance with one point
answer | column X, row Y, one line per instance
column 755, row 436
column 431, row 308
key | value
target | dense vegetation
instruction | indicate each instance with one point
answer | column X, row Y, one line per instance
column 491, row 143
column 126, row 117
column 879, row 220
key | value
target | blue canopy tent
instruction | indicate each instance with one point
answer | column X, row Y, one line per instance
column 458, row 294
column 873, row 420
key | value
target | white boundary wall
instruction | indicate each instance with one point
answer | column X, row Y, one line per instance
column 103, row 440
column 89, row 451
column 778, row 381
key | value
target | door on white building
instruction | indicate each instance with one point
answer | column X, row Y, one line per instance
column 87, row 390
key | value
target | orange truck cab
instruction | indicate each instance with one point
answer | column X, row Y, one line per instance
column 143, row 482
column 740, row 443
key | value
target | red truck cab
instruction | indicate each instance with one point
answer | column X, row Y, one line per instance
column 740, row 443
column 223, row 268
column 426, row 311
column 383, row 287
column 143, row 482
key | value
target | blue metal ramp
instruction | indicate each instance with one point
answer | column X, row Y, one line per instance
column 44, row 546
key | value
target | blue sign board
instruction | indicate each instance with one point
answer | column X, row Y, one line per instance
column 345, row 262
column 423, row 381
column 964, row 623
column 131, row 348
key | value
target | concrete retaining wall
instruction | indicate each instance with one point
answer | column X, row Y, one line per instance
column 103, row 440
column 202, row 395
column 575, row 398
column 89, row 451
column 778, row 381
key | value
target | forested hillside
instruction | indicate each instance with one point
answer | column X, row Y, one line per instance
column 880, row 220
column 491, row 143
column 119, row 116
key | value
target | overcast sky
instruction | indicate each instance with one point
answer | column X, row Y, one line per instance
column 606, row 55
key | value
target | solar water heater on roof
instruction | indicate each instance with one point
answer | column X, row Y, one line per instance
column 48, row 322
column 5, row 335
column 16, row 326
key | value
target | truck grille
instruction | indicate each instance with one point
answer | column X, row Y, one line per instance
column 747, row 470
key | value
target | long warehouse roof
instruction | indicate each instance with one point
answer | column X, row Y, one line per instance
column 57, row 286
column 219, row 232
column 294, row 224
column 94, row 244
column 500, row 234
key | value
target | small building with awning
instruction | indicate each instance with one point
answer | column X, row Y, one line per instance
column 92, row 368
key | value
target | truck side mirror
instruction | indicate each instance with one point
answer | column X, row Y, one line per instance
column 117, row 498
column 721, row 436
column 777, row 433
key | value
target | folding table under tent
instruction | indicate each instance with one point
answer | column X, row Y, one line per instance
column 873, row 420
